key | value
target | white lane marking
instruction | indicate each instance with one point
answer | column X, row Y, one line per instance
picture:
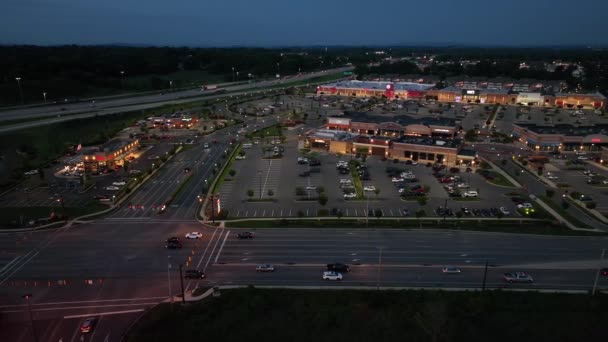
column 104, row 314
column 85, row 301
column 213, row 250
column 221, row 247
column 7, row 265
column 83, row 307
column 206, row 248
column 17, row 267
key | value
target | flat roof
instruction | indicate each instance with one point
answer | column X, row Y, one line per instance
column 449, row 143
column 565, row 129
column 481, row 90
column 403, row 120
column 380, row 85
column 332, row 134
column 114, row 145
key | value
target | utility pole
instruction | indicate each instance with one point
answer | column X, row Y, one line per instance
column 181, row 281
column 597, row 274
column 379, row 273
column 485, row 276
column 28, row 298
column 260, row 178
column 169, row 280
column 44, row 96
column 445, row 210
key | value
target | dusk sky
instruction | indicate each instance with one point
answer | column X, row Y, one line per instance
column 310, row 22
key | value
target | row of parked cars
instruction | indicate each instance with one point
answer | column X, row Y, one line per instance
column 485, row 212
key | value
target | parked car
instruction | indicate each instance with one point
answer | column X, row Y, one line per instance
column 119, row 183
column 369, row 188
column 112, row 188
column 518, row 277
column 505, row 211
column 525, row 205
column 350, row 195
column 264, row 268
column 469, row 194
column 331, row 275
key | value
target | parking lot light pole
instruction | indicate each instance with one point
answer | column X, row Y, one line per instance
column 485, row 275
column 445, row 210
column 181, row 281
column 18, row 79
column 260, row 180
column 169, row 280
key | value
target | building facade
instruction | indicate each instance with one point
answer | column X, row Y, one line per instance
column 562, row 137
column 108, row 155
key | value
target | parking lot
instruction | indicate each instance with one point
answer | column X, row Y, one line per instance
column 285, row 175
column 561, row 172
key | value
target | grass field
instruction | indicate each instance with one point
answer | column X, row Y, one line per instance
column 373, row 316
column 13, row 217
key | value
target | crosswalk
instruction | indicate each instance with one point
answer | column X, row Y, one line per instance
column 314, row 211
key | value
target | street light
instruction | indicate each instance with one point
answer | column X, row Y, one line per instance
column 18, row 79
column 28, row 298
column 44, row 96
column 260, row 177
column 279, row 69
column 379, row 272
column 232, row 74
column 122, row 80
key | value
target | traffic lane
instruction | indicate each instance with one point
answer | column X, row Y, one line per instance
column 399, row 276
column 120, row 248
column 302, row 245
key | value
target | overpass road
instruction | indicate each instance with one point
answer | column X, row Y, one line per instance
column 69, row 111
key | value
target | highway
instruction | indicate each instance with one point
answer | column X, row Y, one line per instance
column 70, row 111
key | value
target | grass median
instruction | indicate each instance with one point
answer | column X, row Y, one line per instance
column 523, row 226
column 566, row 215
column 367, row 315
column 220, row 181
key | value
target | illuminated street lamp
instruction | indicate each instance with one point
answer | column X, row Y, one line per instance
column 18, row 79
column 44, row 96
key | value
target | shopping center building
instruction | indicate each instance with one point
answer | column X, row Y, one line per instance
column 391, row 90
column 390, row 125
column 537, row 94
column 562, row 137
column 108, row 155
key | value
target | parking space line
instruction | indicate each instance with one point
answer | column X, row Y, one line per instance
column 391, row 211
column 264, row 213
column 281, row 212
column 272, row 214
column 255, row 213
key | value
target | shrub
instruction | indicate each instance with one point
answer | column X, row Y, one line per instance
column 299, row 191
column 575, row 194
column 300, row 213
column 322, row 212
column 565, row 205
column 232, row 172
column 270, row 192
column 590, row 205
column 250, row 192
column 323, row 199
column 550, row 192
column 422, row 200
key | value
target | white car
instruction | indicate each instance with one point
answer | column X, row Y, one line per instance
column 408, row 176
column 469, row 194
column 264, row 268
column 240, row 157
column 119, row 183
column 112, row 188
column 505, row 211
column 450, row 269
column 31, row 172
column 345, row 181
column 194, row 235
column 552, row 177
column 311, row 188
column 331, row 275
column 396, row 180
column 526, row 205
column 463, row 185
column 369, row 188
column 350, row 195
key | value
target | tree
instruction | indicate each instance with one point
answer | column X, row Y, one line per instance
column 250, row 193
column 377, row 192
column 422, row 200
column 565, row 204
column 322, row 199
column 470, row 135
column 232, row 172
column 503, row 162
column 550, row 192
column 320, row 190
column 270, row 192
column 378, row 213
column 299, row 191
column 500, row 215
column 339, row 214
column 420, row 213
column 41, row 173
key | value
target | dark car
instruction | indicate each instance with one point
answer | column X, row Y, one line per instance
column 604, row 271
column 194, row 274
column 314, row 162
column 88, row 325
column 338, row 267
column 173, row 245
column 173, row 239
column 245, row 235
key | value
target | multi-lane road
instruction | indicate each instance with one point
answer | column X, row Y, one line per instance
column 69, row 111
column 114, row 270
